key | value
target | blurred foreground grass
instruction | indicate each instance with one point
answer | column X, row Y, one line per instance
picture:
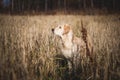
column 28, row 49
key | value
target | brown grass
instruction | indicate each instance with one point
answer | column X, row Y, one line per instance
column 28, row 49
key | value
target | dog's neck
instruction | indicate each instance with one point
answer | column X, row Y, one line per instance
column 67, row 39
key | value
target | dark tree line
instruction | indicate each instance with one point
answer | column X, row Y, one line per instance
column 56, row 5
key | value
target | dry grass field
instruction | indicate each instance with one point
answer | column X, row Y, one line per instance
column 28, row 49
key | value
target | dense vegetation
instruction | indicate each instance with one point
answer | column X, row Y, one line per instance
column 29, row 51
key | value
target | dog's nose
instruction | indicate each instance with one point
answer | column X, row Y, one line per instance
column 52, row 30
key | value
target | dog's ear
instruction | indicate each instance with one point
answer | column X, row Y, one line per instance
column 66, row 29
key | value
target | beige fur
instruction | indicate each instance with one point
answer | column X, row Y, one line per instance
column 70, row 44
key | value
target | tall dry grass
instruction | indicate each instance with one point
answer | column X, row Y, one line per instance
column 29, row 51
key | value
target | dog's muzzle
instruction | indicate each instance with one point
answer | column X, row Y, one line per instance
column 53, row 30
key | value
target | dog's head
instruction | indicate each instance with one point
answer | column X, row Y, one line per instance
column 62, row 30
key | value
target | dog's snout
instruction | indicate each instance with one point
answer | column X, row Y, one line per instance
column 52, row 30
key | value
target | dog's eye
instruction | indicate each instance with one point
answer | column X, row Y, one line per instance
column 59, row 27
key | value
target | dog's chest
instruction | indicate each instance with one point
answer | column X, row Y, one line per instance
column 69, row 49
column 67, row 53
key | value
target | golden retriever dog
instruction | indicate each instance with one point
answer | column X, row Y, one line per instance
column 71, row 46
